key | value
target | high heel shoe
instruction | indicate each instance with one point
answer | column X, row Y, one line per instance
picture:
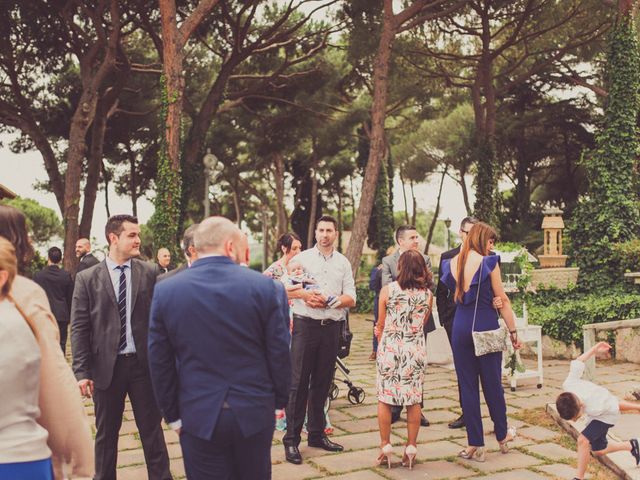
column 385, row 454
column 410, row 453
column 511, row 435
column 472, row 453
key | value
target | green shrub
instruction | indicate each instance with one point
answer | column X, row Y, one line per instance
column 364, row 302
column 626, row 256
column 562, row 313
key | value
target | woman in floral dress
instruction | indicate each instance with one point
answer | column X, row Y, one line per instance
column 404, row 307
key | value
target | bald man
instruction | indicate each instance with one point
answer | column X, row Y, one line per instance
column 164, row 260
column 83, row 252
column 227, row 327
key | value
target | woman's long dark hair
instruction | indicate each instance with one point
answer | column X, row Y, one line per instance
column 477, row 240
column 13, row 227
column 286, row 240
column 413, row 272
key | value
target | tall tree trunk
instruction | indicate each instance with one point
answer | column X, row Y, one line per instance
column 314, row 204
column 105, row 176
column 404, row 196
column 339, row 195
column 465, row 193
column 133, row 179
column 282, row 220
column 414, row 202
column 432, row 227
column 92, row 81
column 377, row 149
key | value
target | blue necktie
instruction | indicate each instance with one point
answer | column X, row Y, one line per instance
column 122, row 307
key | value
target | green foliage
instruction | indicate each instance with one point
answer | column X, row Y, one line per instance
column 383, row 211
column 626, row 256
column 364, row 303
column 609, row 214
column 164, row 222
column 486, row 181
column 42, row 222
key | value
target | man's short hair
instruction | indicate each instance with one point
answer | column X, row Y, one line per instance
column 213, row 232
column 55, row 255
column 567, row 405
column 114, row 224
column 187, row 239
column 327, row 218
column 471, row 220
column 401, row 230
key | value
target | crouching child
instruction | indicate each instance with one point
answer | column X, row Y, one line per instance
column 600, row 408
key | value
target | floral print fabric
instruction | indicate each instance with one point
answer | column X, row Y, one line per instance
column 402, row 354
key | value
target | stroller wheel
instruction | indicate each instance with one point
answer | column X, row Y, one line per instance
column 356, row 395
column 334, row 391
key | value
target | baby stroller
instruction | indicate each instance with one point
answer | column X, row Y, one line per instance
column 355, row 395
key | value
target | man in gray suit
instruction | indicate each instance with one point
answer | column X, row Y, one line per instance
column 109, row 329
column 407, row 239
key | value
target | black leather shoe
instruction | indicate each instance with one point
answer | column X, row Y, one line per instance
column 326, row 444
column 458, row 422
column 395, row 415
column 423, row 421
column 292, row 454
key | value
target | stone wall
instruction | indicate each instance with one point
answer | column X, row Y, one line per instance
column 627, row 342
column 556, row 277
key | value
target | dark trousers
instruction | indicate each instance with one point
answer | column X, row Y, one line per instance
column 132, row 378
column 228, row 455
column 448, row 327
column 64, row 330
column 314, row 349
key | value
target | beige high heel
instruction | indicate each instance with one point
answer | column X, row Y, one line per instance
column 472, row 453
column 385, row 454
column 511, row 435
column 410, row 453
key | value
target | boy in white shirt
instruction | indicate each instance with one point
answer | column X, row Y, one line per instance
column 599, row 406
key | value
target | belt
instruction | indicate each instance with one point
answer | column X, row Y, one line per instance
column 127, row 355
column 325, row 322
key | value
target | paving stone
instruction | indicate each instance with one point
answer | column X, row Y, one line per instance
column 133, row 473
column 435, row 450
column 359, row 441
column 361, row 425
column 540, row 434
column 438, row 431
column 127, row 442
column 496, row 461
column 559, row 470
column 130, row 457
column 288, row 471
column 364, row 411
column 430, row 471
column 440, row 403
column 551, row 451
column 517, row 474
column 347, row 461
column 360, row 475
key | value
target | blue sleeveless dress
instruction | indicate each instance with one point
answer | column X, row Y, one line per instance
column 470, row 369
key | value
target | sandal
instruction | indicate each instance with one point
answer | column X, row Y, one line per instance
column 511, row 435
column 635, row 449
column 385, row 455
column 472, row 453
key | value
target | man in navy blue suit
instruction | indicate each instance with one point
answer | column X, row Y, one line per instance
column 219, row 357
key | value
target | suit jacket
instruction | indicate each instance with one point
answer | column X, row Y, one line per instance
column 171, row 273
column 220, row 332
column 390, row 273
column 58, row 285
column 87, row 261
column 95, row 321
column 444, row 297
column 61, row 411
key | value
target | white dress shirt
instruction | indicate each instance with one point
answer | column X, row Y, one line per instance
column 114, row 272
column 599, row 403
column 334, row 277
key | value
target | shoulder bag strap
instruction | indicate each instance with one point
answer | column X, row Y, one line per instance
column 475, row 310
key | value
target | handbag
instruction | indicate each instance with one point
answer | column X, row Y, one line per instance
column 489, row 341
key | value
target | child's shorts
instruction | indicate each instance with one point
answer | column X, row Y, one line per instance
column 596, row 433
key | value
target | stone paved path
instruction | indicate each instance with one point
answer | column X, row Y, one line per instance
column 541, row 451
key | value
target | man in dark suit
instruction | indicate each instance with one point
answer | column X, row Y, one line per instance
column 444, row 298
column 189, row 250
column 83, row 252
column 407, row 239
column 58, row 285
column 227, row 327
column 109, row 328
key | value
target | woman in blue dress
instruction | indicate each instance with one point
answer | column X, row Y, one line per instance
column 474, row 275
